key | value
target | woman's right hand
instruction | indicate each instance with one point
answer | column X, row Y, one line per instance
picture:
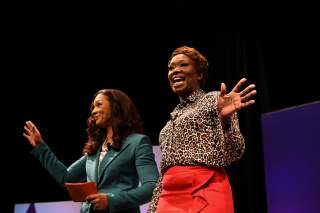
column 32, row 134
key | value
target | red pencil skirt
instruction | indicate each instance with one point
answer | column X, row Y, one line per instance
column 191, row 189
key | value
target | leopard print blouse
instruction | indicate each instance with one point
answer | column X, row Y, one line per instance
column 194, row 136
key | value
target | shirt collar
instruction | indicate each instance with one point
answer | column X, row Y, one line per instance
column 194, row 96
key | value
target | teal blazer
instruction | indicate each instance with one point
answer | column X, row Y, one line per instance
column 127, row 176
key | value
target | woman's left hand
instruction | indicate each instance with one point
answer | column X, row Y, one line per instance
column 236, row 99
column 98, row 201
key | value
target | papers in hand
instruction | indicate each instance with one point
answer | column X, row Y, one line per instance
column 79, row 191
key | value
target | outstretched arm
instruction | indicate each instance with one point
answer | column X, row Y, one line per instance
column 228, row 105
column 76, row 172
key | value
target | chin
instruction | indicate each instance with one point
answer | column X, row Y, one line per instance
column 102, row 124
column 98, row 124
column 178, row 90
column 175, row 91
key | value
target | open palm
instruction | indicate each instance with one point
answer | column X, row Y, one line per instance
column 236, row 99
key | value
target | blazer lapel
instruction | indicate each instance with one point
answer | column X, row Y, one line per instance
column 107, row 160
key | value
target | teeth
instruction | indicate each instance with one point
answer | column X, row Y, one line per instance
column 177, row 79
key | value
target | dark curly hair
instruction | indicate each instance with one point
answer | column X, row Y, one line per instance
column 125, row 119
column 200, row 62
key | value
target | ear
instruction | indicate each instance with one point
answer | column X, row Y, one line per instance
column 200, row 76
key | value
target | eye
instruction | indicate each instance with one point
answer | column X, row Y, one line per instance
column 184, row 64
column 96, row 104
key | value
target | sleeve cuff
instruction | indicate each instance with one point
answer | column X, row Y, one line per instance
column 39, row 149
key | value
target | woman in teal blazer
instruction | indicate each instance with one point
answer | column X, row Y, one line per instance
column 117, row 156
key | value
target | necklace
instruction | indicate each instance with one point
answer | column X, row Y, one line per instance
column 106, row 144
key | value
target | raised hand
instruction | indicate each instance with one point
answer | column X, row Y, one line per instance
column 32, row 134
column 236, row 99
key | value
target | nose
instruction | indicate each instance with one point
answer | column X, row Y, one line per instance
column 94, row 112
column 173, row 72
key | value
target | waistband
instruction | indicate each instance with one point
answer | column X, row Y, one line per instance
column 193, row 169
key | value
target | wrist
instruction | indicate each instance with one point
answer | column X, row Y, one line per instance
column 225, row 123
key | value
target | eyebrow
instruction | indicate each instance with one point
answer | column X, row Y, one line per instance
column 178, row 62
column 96, row 102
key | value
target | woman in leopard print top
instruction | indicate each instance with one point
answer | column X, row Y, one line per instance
column 201, row 137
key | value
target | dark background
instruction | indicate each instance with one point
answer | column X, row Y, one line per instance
column 55, row 57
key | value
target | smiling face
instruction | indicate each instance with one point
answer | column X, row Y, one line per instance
column 101, row 111
column 182, row 75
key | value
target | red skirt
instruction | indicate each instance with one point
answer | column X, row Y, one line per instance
column 191, row 189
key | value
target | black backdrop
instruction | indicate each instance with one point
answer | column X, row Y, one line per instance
column 56, row 57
